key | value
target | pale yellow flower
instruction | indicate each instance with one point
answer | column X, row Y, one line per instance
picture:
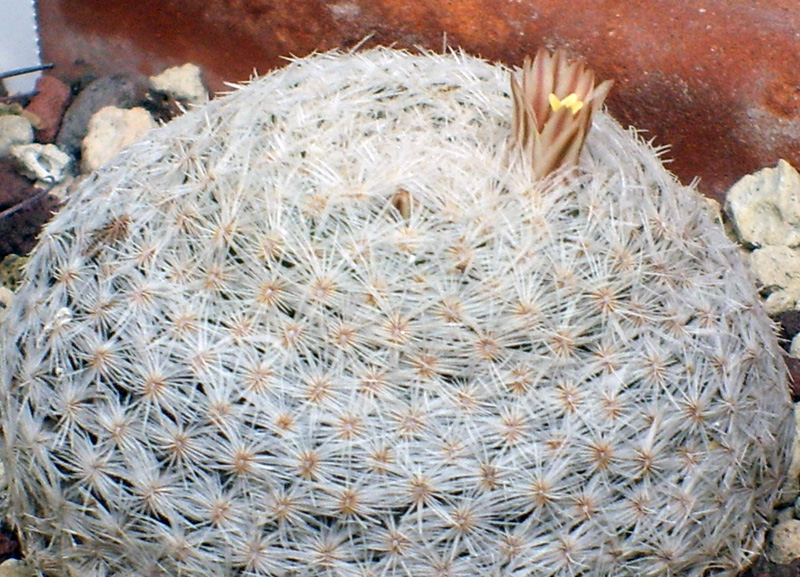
column 553, row 108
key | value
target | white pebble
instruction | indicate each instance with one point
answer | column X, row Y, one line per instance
column 765, row 206
column 110, row 130
column 183, row 83
column 777, row 268
column 43, row 162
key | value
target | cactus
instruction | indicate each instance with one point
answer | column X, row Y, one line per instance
column 327, row 325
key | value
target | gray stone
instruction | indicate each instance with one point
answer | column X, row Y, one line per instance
column 110, row 130
column 183, row 83
column 14, row 129
column 765, row 206
column 42, row 162
column 120, row 90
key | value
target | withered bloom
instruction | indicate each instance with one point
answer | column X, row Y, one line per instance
column 553, row 108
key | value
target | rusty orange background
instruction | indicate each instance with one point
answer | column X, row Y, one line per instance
column 717, row 80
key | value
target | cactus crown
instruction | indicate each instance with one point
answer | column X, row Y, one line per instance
column 322, row 327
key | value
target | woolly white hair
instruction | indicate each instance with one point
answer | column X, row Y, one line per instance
column 324, row 326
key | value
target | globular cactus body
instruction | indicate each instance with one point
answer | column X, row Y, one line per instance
column 326, row 325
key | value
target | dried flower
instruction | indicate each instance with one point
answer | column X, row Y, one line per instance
column 553, row 110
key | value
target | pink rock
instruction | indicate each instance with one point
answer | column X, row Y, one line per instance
column 48, row 105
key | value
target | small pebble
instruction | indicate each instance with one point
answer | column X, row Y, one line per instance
column 45, row 163
column 14, row 129
column 777, row 269
column 183, row 83
column 110, row 130
column 764, row 207
column 48, row 104
column 120, row 91
column 785, row 542
column 11, row 272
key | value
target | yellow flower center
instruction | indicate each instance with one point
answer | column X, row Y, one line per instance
column 570, row 102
